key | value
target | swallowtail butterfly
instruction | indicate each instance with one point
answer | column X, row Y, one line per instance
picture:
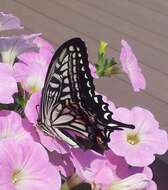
column 69, row 109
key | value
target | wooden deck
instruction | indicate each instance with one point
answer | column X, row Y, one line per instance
column 143, row 23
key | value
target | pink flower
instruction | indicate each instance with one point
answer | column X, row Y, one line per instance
column 42, row 58
column 11, row 127
column 137, row 181
column 12, row 47
column 8, row 85
column 32, row 107
column 43, row 44
column 52, row 143
column 138, row 145
column 129, row 177
column 31, row 75
column 130, row 66
column 109, row 172
column 26, row 166
column 93, row 71
column 8, row 22
column 62, row 163
column 93, row 168
column 31, row 112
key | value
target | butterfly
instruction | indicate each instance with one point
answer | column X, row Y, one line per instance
column 70, row 110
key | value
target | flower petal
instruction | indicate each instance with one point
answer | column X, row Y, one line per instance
column 22, row 158
column 32, row 107
column 130, row 66
column 11, row 47
column 138, row 145
column 8, row 22
column 8, row 87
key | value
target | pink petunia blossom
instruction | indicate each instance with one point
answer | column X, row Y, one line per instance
column 8, row 85
column 42, row 58
column 26, row 166
column 31, row 73
column 32, row 107
column 31, row 76
column 12, row 47
column 93, row 71
column 93, row 168
column 138, row 145
column 62, row 163
column 53, row 143
column 8, row 22
column 137, row 181
column 43, row 44
column 109, row 172
column 130, row 66
column 11, row 127
column 124, row 171
column 31, row 112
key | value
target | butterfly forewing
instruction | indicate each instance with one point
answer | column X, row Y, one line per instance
column 60, row 87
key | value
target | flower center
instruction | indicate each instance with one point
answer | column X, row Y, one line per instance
column 9, row 56
column 15, row 176
column 133, row 139
column 34, row 88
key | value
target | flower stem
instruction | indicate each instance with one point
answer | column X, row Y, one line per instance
column 65, row 186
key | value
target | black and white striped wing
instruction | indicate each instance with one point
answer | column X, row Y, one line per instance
column 60, row 112
column 69, row 103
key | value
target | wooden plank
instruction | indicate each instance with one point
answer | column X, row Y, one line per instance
column 135, row 14
column 122, row 95
column 107, row 20
column 159, row 6
column 52, row 30
column 149, row 56
column 157, row 82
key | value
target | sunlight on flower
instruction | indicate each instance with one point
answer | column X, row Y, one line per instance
column 8, row 22
column 34, row 83
column 138, row 145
